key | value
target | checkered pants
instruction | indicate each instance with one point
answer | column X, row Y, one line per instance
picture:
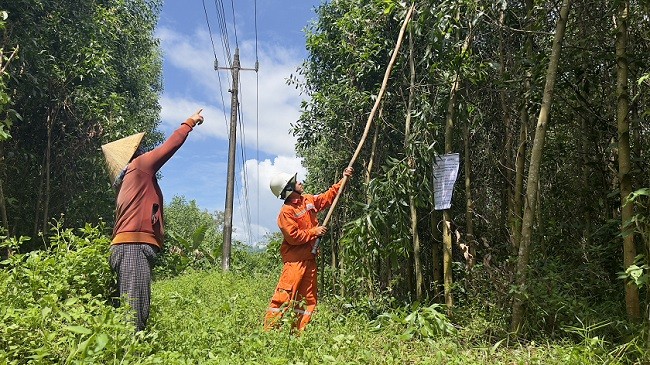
column 133, row 263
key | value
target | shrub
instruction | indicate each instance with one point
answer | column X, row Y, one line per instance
column 54, row 303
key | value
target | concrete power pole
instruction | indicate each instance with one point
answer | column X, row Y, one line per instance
column 232, row 144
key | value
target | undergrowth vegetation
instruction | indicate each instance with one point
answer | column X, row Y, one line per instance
column 56, row 308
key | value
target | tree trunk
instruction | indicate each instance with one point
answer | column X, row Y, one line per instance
column 446, row 232
column 586, row 182
column 419, row 278
column 520, row 166
column 469, row 204
column 6, row 252
column 534, row 170
column 367, row 259
column 622, row 109
column 48, row 168
column 435, row 257
column 383, row 262
column 524, row 120
column 3, row 205
column 334, row 263
column 40, row 197
column 505, row 163
column 446, row 220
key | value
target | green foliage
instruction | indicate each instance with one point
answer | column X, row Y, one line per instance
column 74, row 93
column 55, row 304
column 53, row 310
column 194, row 311
column 421, row 322
column 641, row 220
column 7, row 114
column 194, row 241
column 274, row 241
column 89, row 72
column 639, row 272
column 193, row 238
column 577, row 229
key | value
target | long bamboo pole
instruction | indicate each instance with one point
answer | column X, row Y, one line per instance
column 382, row 90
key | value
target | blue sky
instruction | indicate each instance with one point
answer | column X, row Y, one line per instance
column 268, row 105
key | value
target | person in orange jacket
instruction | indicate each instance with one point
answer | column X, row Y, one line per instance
column 297, row 288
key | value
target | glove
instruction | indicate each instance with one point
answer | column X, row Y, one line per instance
column 195, row 119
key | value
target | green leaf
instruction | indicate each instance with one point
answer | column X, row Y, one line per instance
column 78, row 329
column 46, row 311
column 329, row 358
column 496, row 345
column 101, row 341
column 405, row 336
column 643, row 78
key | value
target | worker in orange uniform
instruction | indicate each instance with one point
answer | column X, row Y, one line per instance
column 297, row 287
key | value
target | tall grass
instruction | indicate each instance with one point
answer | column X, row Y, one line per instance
column 55, row 308
column 216, row 318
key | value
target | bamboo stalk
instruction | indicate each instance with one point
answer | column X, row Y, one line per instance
column 382, row 90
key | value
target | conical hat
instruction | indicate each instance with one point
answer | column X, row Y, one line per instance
column 118, row 153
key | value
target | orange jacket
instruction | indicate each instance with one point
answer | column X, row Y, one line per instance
column 297, row 220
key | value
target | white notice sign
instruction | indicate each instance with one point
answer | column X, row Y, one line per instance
column 445, row 171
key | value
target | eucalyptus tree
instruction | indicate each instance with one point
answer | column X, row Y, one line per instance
column 580, row 198
column 89, row 72
column 566, row 220
column 7, row 115
column 623, row 126
column 346, row 46
column 341, row 80
column 533, row 172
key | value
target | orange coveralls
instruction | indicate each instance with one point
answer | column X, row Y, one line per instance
column 298, row 281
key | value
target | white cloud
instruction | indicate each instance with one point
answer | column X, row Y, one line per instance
column 263, row 205
column 268, row 107
column 176, row 110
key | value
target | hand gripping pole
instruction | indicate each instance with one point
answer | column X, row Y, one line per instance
column 382, row 90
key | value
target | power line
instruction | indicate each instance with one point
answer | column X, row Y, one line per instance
column 223, row 102
column 216, row 62
column 214, row 50
column 234, row 23
column 255, row 15
column 245, row 174
column 257, row 124
column 223, row 28
column 236, row 112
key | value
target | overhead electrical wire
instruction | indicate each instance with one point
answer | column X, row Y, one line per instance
column 214, row 49
column 247, row 210
column 257, row 123
column 225, row 42
column 216, row 61
column 223, row 28
column 234, row 23
column 245, row 173
column 255, row 21
column 246, row 216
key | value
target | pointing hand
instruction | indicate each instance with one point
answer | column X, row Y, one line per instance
column 197, row 117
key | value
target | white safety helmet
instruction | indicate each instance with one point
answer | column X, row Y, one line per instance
column 282, row 184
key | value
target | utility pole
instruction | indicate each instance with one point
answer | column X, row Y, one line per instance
column 232, row 144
